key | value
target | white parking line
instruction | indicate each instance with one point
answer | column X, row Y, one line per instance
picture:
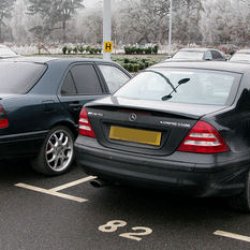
column 51, row 192
column 73, row 183
column 232, row 235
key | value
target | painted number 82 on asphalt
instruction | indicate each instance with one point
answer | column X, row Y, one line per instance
column 113, row 225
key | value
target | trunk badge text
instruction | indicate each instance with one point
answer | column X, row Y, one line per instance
column 132, row 117
column 176, row 124
column 95, row 114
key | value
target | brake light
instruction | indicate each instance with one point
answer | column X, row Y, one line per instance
column 203, row 138
column 4, row 123
column 85, row 127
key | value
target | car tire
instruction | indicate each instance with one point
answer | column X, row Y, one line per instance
column 57, row 152
column 241, row 202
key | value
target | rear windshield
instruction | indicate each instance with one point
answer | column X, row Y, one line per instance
column 182, row 86
column 19, row 77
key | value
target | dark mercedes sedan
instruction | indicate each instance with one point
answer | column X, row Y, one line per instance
column 183, row 127
column 40, row 102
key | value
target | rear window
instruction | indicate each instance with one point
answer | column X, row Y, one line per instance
column 182, row 86
column 19, row 77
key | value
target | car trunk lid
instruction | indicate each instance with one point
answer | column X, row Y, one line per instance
column 149, row 127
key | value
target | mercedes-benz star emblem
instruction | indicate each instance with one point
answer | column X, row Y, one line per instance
column 132, row 117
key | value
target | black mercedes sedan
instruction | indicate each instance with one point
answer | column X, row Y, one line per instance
column 180, row 126
column 40, row 102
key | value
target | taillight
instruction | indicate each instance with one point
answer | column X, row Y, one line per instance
column 85, row 127
column 203, row 138
column 4, row 123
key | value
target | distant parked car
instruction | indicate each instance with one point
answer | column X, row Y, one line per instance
column 40, row 102
column 194, row 54
column 242, row 55
column 179, row 126
column 6, row 52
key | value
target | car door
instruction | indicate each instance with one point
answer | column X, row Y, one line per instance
column 81, row 84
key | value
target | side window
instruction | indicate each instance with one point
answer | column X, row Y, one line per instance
column 113, row 76
column 68, row 87
column 86, row 80
column 208, row 56
column 216, row 55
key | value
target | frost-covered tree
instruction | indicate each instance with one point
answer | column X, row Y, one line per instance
column 186, row 19
column 19, row 22
column 54, row 15
column 224, row 21
column 6, row 7
column 142, row 21
column 211, row 22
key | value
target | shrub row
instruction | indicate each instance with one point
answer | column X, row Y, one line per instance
column 81, row 49
column 135, row 64
column 133, row 50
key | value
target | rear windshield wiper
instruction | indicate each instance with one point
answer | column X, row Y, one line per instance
column 164, row 77
column 169, row 96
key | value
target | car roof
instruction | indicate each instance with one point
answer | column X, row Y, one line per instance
column 236, row 67
column 197, row 49
column 43, row 59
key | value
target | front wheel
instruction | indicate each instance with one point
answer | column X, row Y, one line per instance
column 57, row 152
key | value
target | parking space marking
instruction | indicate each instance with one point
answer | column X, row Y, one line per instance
column 232, row 235
column 73, row 183
column 51, row 192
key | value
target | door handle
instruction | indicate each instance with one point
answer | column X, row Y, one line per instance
column 75, row 105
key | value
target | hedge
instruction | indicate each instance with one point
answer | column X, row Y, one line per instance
column 134, row 50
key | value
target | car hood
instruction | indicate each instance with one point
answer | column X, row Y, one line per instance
column 195, row 111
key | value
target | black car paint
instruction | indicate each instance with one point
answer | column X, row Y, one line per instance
column 33, row 114
column 222, row 174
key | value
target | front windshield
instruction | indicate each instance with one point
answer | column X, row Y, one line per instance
column 189, row 55
column 202, row 87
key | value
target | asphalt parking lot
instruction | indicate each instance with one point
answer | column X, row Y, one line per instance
column 66, row 212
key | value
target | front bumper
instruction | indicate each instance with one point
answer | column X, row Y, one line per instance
column 172, row 173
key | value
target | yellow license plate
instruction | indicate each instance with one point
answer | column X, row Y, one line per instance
column 135, row 135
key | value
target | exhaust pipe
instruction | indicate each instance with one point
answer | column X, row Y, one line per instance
column 98, row 183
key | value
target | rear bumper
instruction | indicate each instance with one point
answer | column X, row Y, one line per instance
column 21, row 145
column 202, row 179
